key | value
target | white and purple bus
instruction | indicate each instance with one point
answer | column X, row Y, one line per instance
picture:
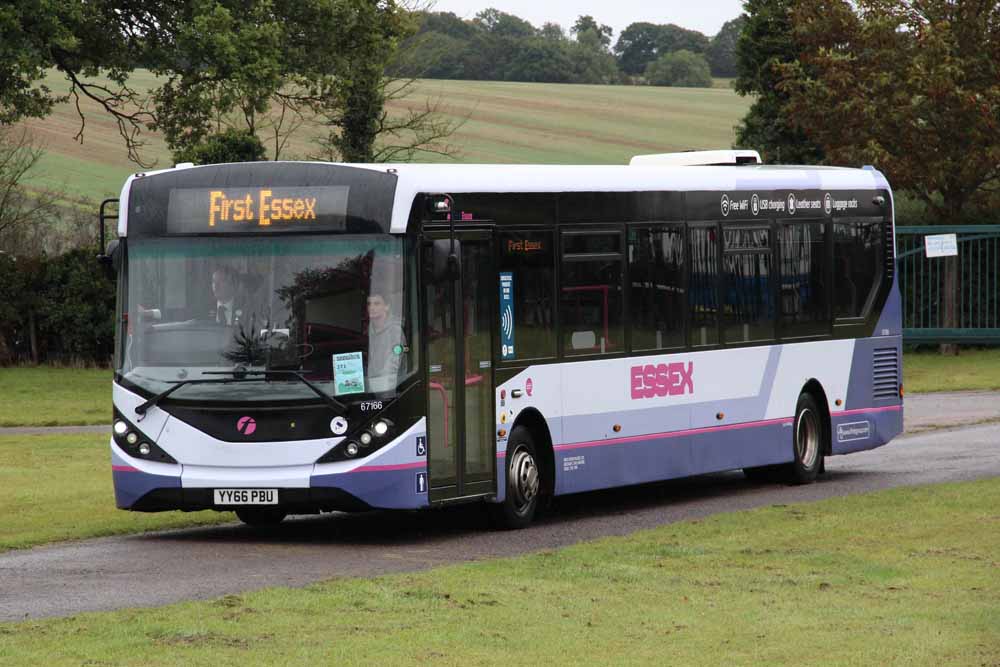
column 308, row 337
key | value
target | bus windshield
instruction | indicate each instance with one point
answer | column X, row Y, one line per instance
column 331, row 308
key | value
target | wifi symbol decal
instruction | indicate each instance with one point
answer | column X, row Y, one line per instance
column 507, row 321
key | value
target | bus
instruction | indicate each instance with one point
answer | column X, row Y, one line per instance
column 298, row 338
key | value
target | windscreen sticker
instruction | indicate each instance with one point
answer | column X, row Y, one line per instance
column 348, row 373
column 506, row 315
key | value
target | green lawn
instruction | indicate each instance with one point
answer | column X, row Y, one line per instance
column 904, row 577
column 58, row 487
column 48, row 396
column 931, row 371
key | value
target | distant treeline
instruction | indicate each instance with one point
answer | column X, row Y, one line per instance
column 496, row 46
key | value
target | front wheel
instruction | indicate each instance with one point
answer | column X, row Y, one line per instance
column 523, row 483
column 261, row 518
column 808, row 442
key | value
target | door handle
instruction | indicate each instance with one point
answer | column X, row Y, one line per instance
column 515, row 393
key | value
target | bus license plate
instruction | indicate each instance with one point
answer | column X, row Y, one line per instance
column 246, row 496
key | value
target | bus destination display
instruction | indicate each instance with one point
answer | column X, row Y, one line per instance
column 257, row 209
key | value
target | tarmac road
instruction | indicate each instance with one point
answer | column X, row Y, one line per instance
column 161, row 568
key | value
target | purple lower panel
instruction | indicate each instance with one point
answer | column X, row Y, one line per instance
column 660, row 457
column 382, row 488
column 865, row 429
column 131, row 485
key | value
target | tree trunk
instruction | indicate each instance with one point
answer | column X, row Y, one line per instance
column 32, row 337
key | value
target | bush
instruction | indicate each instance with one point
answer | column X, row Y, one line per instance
column 679, row 68
column 229, row 146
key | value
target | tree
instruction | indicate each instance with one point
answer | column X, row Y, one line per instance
column 228, row 146
column 19, row 208
column 82, row 40
column 587, row 29
column 642, row 43
column 637, row 46
column 764, row 45
column 722, row 50
column 915, row 90
column 679, row 68
column 592, row 61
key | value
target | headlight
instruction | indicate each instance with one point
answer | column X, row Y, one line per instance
column 351, row 449
column 380, row 428
column 120, row 427
column 365, row 438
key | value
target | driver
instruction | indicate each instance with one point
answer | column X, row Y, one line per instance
column 228, row 310
column 385, row 339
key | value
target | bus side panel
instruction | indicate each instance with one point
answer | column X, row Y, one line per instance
column 664, row 456
column 873, row 409
column 132, row 484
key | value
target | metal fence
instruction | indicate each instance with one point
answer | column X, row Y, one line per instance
column 922, row 280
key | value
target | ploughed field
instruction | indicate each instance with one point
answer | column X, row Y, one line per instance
column 501, row 122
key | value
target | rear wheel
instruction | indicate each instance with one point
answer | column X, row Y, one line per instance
column 261, row 518
column 523, row 483
column 808, row 442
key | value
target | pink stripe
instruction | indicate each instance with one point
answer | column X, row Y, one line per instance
column 674, row 434
column 125, row 469
column 400, row 466
column 502, row 454
column 888, row 408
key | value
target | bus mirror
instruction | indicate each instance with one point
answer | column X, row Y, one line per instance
column 111, row 260
column 446, row 263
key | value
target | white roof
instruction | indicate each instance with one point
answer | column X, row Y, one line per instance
column 414, row 179
column 454, row 178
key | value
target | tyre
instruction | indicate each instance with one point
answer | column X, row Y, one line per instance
column 809, row 439
column 523, row 483
column 261, row 518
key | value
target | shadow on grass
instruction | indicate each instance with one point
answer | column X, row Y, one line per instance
column 574, row 517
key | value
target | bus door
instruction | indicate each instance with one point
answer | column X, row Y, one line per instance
column 459, row 312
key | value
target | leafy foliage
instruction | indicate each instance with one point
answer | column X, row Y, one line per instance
column 722, row 51
column 642, row 43
column 915, row 89
column 679, row 68
column 56, row 309
column 766, row 43
column 229, row 146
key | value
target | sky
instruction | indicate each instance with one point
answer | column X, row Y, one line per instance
column 706, row 16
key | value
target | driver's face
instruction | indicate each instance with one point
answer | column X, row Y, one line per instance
column 377, row 309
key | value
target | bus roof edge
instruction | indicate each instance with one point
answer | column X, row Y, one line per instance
column 698, row 158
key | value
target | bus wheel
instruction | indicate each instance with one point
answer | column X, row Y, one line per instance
column 261, row 518
column 523, row 483
column 808, row 441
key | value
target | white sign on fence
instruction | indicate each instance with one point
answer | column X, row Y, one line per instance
column 941, row 245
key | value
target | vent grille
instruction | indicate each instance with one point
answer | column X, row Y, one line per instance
column 890, row 260
column 885, row 373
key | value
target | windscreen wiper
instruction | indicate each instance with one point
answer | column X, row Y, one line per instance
column 143, row 407
column 240, row 374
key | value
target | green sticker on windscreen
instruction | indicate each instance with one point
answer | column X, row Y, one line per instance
column 348, row 374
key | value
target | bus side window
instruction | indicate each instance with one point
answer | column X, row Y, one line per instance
column 591, row 304
column 858, row 258
column 657, row 296
column 748, row 307
column 805, row 294
column 703, row 291
column 529, row 259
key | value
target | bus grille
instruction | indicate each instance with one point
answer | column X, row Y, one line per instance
column 885, row 373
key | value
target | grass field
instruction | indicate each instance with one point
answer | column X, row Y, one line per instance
column 48, row 396
column 503, row 122
column 972, row 369
column 58, row 487
column 904, row 577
